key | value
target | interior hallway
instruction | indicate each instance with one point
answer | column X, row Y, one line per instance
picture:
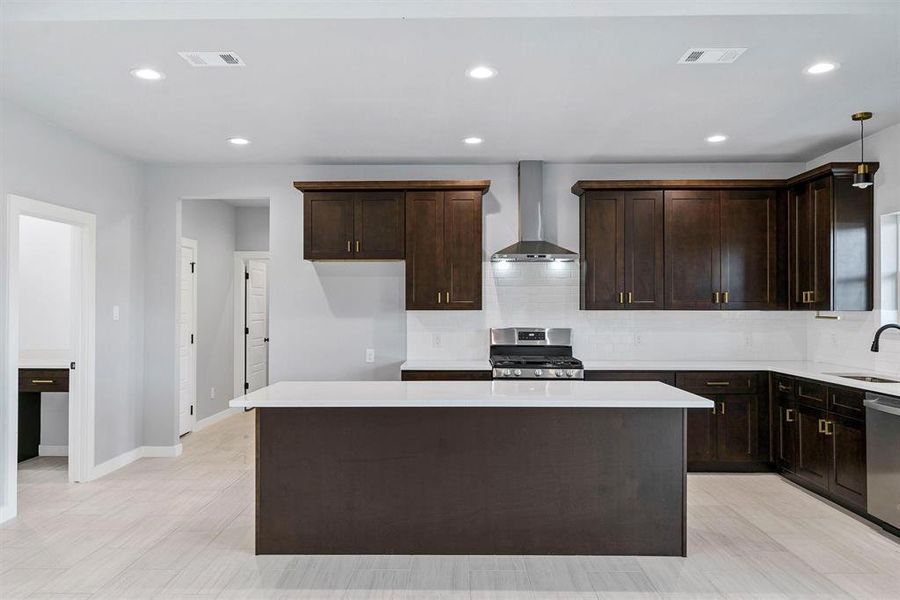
column 183, row 528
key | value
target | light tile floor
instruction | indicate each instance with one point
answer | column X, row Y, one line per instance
column 183, row 528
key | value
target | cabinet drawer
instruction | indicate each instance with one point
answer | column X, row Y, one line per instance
column 717, row 382
column 445, row 375
column 43, row 380
column 812, row 393
column 847, row 402
column 782, row 386
column 667, row 377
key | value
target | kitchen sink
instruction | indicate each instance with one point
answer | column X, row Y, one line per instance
column 866, row 378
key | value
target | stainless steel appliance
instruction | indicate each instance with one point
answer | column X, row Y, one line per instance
column 534, row 353
column 883, row 457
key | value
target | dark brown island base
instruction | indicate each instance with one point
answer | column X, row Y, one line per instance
column 555, row 467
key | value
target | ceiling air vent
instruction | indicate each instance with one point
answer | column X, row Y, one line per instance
column 711, row 56
column 212, row 59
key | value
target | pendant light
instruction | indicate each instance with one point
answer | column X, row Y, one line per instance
column 862, row 178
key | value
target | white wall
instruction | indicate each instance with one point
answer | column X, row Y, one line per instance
column 41, row 161
column 252, row 228
column 847, row 341
column 45, row 293
column 213, row 224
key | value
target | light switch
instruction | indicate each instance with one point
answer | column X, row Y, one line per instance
column 370, row 355
column 116, row 312
column 212, row 393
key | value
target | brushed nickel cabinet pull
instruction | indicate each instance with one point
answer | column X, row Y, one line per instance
column 722, row 404
column 630, row 297
column 821, row 425
column 716, row 298
column 447, row 297
column 439, row 297
column 829, row 431
column 348, row 246
column 783, row 388
column 714, row 408
column 725, row 297
column 718, row 383
column 357, row 245
column 788, row 418
column 41, row 381
column 621, row 297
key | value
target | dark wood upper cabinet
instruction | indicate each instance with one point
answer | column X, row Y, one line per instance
column 328, row 225
column 744, row 244
column 644, row 234
column 749, row 249
column 692, row 250
column 622, row 250
column 443, row 250
column 424, row 250
column 831, row 245
column 602, row 250
column 378, row 222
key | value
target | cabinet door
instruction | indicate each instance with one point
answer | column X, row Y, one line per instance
column 693, row 250
column 737, row 432
column 378, row 220
column 786, row 436
column 820, row 195
column 327, row 225
column 813, row 455
column 644, row 231
column 602, row 250
column 424, row 250
column 748, row 250
column 701, row 434
column 462, row 250
column 848, row 472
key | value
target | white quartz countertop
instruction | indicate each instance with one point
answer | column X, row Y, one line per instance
column 825, row 372
column 502, row 394
column 446, row 365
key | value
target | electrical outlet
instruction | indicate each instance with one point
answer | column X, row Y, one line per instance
column 116, row 312
column 370, row 355
column 212, row 393
column 435, row 340
column 748, row 340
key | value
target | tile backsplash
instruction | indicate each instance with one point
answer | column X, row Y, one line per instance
column 546, row 295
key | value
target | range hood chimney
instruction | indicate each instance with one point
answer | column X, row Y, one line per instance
column 531, row 246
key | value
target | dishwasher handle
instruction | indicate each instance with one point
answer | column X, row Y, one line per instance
column 874, row 404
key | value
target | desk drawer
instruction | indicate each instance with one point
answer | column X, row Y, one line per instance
column 718, row 382
column 43, row 380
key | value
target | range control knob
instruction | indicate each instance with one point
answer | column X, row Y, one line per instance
column 538, row 372
column 558, row 373
column 517, row 372
column 570, row 373
column 506, row 372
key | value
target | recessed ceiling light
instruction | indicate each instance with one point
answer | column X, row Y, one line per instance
column 715, row 139
column 473, row 141
column 481, row 72
column 238, row 141
column 821, row 67
column 147, row 74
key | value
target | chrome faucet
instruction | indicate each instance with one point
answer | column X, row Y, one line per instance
column 878, row 333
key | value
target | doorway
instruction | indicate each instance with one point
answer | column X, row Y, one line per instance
column 71, row 364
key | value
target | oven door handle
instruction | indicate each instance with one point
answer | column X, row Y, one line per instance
column 885, row 408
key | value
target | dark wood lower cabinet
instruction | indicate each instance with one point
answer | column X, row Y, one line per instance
column 408, row 375
column 737, row 428
column 812, row 447
column 785, row 432
column 847, row 476
column 701, row 436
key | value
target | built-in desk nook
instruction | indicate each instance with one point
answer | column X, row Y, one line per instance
column 32, row 382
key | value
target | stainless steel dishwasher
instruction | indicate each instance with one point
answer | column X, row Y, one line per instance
column 883, row 457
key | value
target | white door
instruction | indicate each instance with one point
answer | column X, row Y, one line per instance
column 256, row 338
column 187, row 319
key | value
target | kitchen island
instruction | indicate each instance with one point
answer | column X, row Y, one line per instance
column 470, row 467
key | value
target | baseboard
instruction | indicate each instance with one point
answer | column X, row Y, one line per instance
column 6, row 513
column 126, row 458
column 46, row 450
column 212, row 419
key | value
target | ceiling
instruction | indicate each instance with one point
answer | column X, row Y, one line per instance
column 598, row 85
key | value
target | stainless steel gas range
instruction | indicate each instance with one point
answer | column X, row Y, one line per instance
column 533, row 353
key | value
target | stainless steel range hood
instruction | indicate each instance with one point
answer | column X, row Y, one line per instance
column 531, row 246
